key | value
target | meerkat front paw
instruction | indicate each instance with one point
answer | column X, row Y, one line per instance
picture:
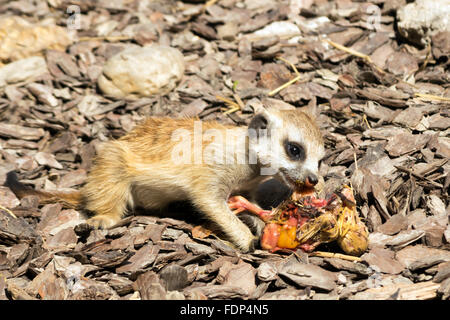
column 250, row 246
column 103, row 221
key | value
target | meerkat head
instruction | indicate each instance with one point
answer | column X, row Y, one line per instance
column 287, row 143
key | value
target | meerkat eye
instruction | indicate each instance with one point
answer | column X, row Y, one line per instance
column 295, row 151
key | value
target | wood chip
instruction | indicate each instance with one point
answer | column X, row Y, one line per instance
column 305, row 275
column 19, row 132
column 241, row 275
column 421, row 255
column 418, row 291
column 140, row 260
column 406, row 143
column 384, row 260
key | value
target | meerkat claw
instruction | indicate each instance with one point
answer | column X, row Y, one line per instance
column 102, row 221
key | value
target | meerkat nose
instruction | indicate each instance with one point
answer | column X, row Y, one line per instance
column 311, row 180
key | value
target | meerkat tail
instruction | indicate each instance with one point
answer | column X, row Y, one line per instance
column 67, row 199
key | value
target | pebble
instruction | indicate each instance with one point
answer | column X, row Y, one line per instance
column 421, row 19
column 22, row 70
column 141, row 72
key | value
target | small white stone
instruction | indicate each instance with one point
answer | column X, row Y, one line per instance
column 143, row 71
column 341, row 279
column 277, row 28
column 420, row 20
column 22, row 70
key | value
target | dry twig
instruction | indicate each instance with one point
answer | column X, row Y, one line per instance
column 426, row 96
column 334, row 255
column 287, row 84
column 369, row 60
column 419, row 176
column 354, row 53
column 105, row 38
column 233, row 106
column 8, row 211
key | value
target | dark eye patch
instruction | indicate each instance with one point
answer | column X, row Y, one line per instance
column 295, row 151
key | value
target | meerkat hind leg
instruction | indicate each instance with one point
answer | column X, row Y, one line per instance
column 108, row 205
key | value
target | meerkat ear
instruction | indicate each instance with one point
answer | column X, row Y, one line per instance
column 259, row 122
column 259, row 125
column 311, row 109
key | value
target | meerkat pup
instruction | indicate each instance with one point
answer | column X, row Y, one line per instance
column 164, row 160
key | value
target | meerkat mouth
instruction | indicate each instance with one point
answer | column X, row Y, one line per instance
column 299, row 187
column 295, row 184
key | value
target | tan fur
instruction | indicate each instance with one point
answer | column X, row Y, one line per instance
column 138, row 170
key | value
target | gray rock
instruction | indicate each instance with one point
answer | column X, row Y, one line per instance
column 142, row 71
column 422, row 19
